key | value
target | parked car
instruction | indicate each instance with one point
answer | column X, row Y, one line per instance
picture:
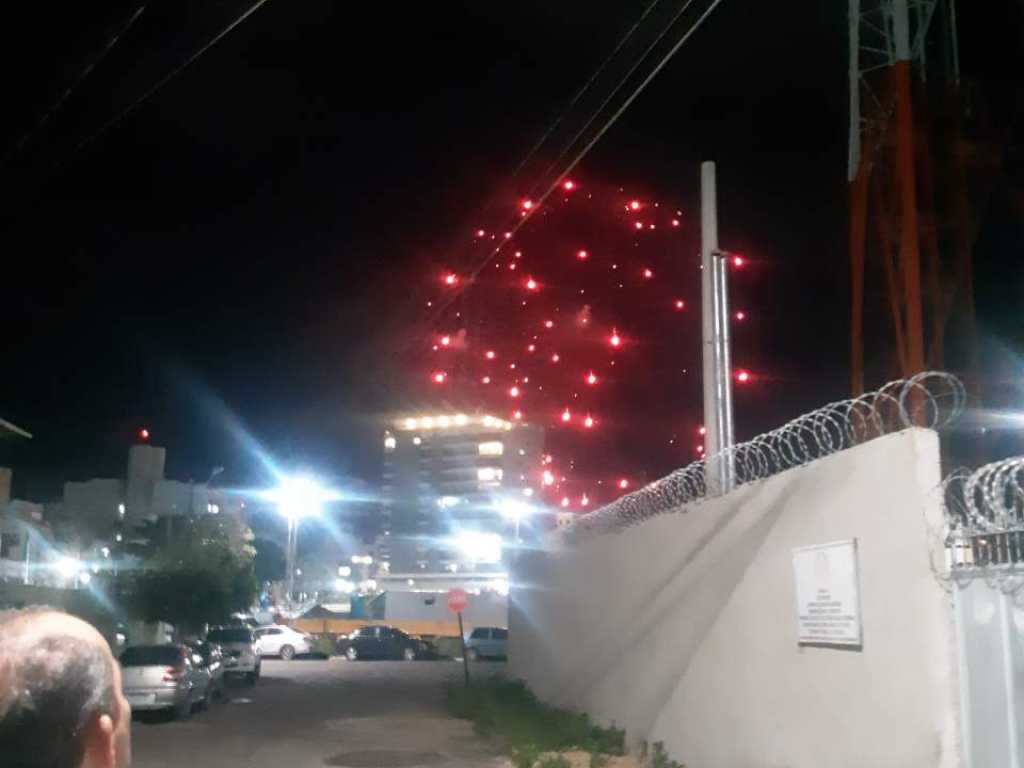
column 283, row 641
column 381, row 643
column 213, row 657
column 168, row 677
column 241, row 651
column 487, row 643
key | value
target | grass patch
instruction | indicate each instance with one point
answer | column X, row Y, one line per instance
column 509, row 712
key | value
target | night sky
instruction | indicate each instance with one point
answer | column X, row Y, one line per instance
column 239, row 261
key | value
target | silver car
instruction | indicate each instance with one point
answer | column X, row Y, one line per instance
column 168, row 677
column 487, row 643
column 242, row 652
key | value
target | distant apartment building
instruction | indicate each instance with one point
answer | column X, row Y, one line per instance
column 103, row 508
column 451, row 489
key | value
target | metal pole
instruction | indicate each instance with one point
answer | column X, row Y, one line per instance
column 462, row 640
column 290, row 560
column 708, row 248
column 724, row 362
column 715, row 347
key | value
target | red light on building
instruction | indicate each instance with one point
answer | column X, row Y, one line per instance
column 555, row 358
column 486, row 379
column 549, row 323
column 439, row 377
column 451, row 279
column 702, row 431
column 566, row 416
column 741, row 316
column 648, row 274
column 738, row 261
column 615, row 340
column 565, row 501
column 634, row 205
column 527, row 204
column 514, row 391
column 743, row 376
column 639, row 225
column 675, row 222
column 680, row 304
column 584, row 500
column 568, row 185
column 531, row 348
column 517, row 415
column 480, row 233
column 623, row 483
column 531, row 284
column 446, row 340
column 489, row 354
column 700, row 449
column 144, row 434
column 582, row 255
column 591, row 378
column 588, row 422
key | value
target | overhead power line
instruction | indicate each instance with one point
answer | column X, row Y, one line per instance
column 586, row 87
column 169, row 76
column 598, row 135
column 86, row 71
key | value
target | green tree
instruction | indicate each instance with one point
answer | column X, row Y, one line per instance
column 203, row 575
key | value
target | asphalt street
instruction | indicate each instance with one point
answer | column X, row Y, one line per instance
column 306, row 713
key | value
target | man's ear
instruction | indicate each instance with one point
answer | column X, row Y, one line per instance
column 99, row 743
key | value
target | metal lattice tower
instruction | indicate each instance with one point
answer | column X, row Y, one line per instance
column 895, row 47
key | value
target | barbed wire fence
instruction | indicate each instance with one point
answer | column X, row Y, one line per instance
column 984, row 534
column 931, row 399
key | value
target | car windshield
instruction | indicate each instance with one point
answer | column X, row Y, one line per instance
column 151, row 656
column 230, row 635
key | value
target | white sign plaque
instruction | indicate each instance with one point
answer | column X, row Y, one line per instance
column 827, row 594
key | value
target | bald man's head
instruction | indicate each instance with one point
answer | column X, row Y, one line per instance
column 60, row 694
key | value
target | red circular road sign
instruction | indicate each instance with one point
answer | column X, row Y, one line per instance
column 457, row 600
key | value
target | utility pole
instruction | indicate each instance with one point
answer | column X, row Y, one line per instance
column 717, row 366
column 290, row 552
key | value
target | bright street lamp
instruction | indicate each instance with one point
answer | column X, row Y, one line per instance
column 298, row 496
column 479, row 547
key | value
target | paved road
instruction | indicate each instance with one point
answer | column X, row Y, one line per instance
column 301, row 714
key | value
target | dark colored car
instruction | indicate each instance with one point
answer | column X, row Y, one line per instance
column 381, row 643
column 213, row 658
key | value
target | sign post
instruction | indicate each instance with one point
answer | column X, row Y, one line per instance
column 457, row 602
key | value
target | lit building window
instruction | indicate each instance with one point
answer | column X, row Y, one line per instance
column 489, row 474
column 492, row 448
column 389, row 443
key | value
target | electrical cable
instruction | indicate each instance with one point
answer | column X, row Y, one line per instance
column 445, row 303
column 586, row 87
column 167, row 78
column 86, row 71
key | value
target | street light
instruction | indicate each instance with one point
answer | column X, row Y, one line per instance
column 298, row 496
column 514, row 511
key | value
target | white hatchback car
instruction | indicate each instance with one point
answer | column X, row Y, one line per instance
column 277, row 640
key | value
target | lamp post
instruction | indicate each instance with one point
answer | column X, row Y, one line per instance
column 297, row 497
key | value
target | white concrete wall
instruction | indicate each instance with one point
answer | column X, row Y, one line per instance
column 683, row 629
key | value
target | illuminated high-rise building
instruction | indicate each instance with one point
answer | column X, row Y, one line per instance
column 455, row 489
